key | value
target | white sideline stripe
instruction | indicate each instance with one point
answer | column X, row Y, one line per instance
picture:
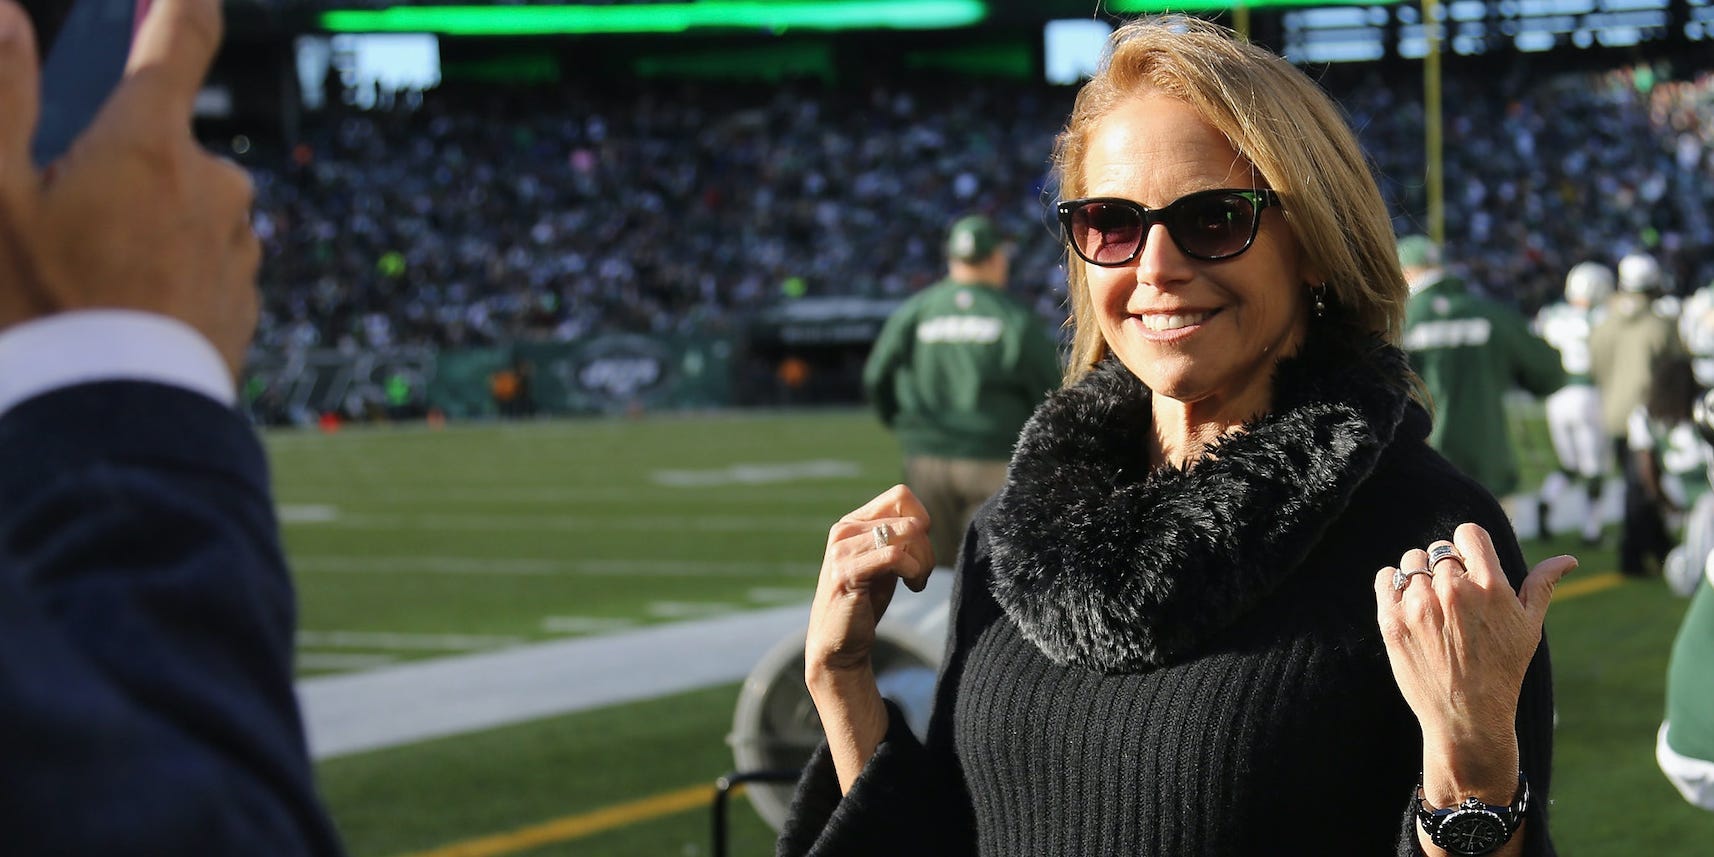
column 417, row 701
column 401, row 641
column 550, row 523
column 334, row 564
column 341, row 661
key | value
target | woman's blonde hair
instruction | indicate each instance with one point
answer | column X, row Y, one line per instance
column 1285, row 126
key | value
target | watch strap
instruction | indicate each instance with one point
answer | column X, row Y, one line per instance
column 1511, row 815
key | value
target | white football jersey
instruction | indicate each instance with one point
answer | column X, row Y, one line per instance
column 1566, row 328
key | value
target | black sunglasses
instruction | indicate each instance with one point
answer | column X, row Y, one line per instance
column 1207, row 225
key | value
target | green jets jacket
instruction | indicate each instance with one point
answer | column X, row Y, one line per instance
column 957, row 370
column 1469, row 351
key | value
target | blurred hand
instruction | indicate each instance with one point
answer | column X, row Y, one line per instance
column 858, row 578
column 136, row 215
column 1459, row 643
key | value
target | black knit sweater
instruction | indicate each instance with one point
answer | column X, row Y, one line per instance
column 1182, row 662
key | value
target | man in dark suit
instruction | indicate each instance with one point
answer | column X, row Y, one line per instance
column 146, row 616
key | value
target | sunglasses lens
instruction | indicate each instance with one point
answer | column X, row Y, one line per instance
column 1212, row 225
column 1105, row 233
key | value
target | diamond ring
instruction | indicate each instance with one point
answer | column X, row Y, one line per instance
column 1401, row 578
column 883, row 536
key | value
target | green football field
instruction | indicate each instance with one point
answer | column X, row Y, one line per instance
column 412, row 543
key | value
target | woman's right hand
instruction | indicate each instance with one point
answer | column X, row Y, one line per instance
column 868, row 552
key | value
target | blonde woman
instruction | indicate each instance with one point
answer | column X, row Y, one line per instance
column 1164, row 639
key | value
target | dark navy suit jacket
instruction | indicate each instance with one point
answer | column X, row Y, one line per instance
column 146, row 624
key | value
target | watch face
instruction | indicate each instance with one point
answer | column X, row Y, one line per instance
column 1471, row 831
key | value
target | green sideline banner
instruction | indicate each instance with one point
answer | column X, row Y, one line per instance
column 460, row 385
column 298, row 387
column 603, row 374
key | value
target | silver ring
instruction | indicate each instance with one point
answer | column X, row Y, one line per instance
column 883, row 536
column 1440, row 552
column 1401, row 578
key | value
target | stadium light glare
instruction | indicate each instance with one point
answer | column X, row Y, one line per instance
column 659, row 18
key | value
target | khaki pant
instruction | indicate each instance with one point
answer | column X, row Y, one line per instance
column 952, row 489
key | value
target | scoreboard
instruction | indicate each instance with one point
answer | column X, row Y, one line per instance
column 1317, row 31
column 1474, row 27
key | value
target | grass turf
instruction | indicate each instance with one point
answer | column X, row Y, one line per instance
column 508, row 531
column 520, row 532
column 425, row 796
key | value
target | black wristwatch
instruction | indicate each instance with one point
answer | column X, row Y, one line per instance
column 1473, row 827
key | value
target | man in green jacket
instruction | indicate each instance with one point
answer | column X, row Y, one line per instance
column 956, row 371
column 1469, row 351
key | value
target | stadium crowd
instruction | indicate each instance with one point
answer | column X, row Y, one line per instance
column 476, row 219
column 478, row 215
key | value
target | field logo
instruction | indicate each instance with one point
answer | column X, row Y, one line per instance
column 619, row 369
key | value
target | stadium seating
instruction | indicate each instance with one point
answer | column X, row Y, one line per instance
column 484, row 215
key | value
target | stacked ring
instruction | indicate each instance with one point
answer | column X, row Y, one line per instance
column 883, row 536
column 1440, row 552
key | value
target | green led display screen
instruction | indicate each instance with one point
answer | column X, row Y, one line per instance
column 660, row 17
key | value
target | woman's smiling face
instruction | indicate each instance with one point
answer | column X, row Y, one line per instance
column 1203, row 333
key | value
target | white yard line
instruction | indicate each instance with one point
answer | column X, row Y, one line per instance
column 690, row 609
column 585, row 624
column 307, row 513
column 759, row 474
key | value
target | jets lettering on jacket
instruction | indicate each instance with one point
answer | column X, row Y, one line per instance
column 978, row 329
column 1451, row 333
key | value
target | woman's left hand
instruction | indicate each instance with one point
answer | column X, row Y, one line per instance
column 1459, row 640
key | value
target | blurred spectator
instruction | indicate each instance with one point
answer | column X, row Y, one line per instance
column 1696, row 332
column 1469, row 351
column 955, row 373
column 506, row 385
column 1668, row 459
column 1625, row 349
column 793, row 375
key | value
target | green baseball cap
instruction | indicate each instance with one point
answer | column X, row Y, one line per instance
column 1418, row 251
column 972, row 239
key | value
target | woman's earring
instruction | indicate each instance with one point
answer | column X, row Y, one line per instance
column 1319, row 293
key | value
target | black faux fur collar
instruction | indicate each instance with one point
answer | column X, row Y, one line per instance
column 1103, row 564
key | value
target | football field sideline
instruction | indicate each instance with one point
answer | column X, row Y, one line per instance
column 396, row 705
column 418, row 701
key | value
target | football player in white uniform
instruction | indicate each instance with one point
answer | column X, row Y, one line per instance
column 1574, row 412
